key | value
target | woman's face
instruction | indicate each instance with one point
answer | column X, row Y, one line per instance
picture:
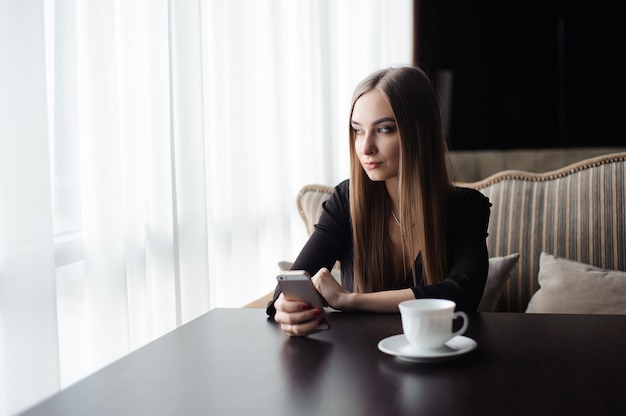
column 376, row 137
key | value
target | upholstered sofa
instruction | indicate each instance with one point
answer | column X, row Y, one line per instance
column 562, row 231
column 564, row 224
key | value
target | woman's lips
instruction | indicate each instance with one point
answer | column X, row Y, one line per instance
column 371, row 165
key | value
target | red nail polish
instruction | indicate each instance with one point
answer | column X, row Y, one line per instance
column 305, row 307
column 316, row 312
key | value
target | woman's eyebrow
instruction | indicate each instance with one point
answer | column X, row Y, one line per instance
column 382, row 120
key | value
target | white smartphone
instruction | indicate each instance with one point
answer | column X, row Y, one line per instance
column 297, row 285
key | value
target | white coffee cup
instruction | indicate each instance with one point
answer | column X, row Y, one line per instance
column 427, row 323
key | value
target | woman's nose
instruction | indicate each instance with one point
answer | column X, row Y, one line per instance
column 368, row 147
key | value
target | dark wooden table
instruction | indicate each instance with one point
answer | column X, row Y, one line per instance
column 236, row 362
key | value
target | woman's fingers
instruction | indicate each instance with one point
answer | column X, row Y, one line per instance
column 297, row 318
column 301, row 329
column 329, row 288
column 319, row 277
column 292, row 306
column 292, row 318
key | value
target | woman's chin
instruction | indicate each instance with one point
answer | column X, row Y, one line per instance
column 376, row 177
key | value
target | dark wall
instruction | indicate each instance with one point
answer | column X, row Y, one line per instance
column 532, row 74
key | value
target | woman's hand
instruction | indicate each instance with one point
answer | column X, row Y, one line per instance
column 297, row 318
column 339, row 298
column 333, row 293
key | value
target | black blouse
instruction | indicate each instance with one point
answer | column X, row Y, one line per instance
column 468, row 263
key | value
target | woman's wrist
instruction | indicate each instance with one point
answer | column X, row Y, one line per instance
column 348, row 301
column 385, row 301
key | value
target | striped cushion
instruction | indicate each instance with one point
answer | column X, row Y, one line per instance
column 577, row 212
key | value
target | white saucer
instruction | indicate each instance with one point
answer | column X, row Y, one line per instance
column 399, row 346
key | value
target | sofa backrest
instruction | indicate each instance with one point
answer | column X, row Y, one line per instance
column 309, row 203
column 577, row 212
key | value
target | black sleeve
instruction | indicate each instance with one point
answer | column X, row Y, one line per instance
column 330, row 241
column 468, row 260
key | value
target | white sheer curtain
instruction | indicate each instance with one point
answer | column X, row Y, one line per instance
column 150, row 154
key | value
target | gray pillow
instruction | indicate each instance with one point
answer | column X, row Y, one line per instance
column 499, row 273
column 567, row 286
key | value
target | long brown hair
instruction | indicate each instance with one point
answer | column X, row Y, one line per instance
column 424, row 186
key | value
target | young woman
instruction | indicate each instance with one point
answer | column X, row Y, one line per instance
column 399, row 228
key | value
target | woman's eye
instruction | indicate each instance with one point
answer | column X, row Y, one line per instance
column 357, row 131
column 385, row 129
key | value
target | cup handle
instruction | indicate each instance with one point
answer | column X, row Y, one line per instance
column 465, row 322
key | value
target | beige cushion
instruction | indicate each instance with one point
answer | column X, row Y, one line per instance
column 567, row 286
column 499, row 273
